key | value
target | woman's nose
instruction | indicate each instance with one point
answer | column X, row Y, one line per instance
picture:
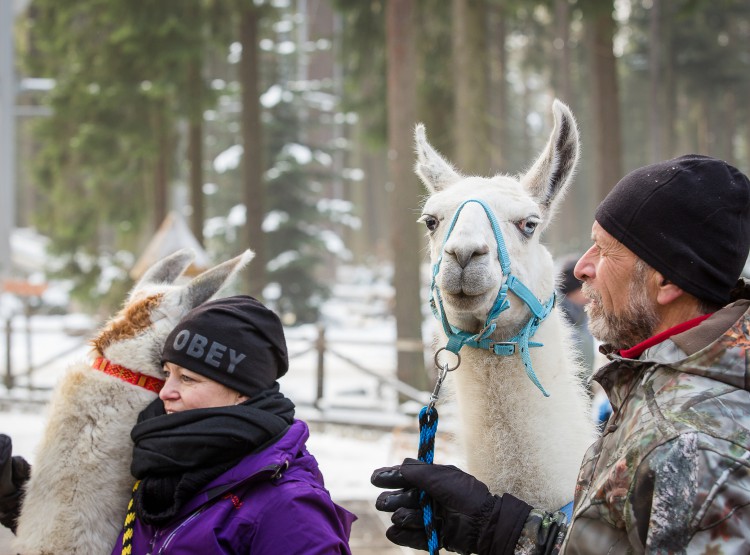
column 168, row 391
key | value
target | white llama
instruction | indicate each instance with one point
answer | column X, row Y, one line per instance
column 516, row 439
column 80, row 484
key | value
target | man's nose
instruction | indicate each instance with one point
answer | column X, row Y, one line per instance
column 585, row 267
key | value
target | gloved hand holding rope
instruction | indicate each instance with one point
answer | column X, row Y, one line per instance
column 468, row 518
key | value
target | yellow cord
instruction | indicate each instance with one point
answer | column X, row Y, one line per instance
column 127, row 529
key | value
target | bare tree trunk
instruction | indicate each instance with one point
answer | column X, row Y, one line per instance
column 656, row 72
column 407, row 247
column 195, row 159
column 561, row 44
column 498, row 97
column 688, row 108
column 727, row 127
column 527, row 152
column 669, row 97
column 161, row 170
column 569, row 216
column 470, row 78
column 195, row 135
column 704, row 123
column 372, row 238
column 252, row 159
column 195, row 153
column 605, row 100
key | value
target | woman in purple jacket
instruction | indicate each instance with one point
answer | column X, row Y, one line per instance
column 221, row 461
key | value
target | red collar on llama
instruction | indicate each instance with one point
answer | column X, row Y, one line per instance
column 136, row 378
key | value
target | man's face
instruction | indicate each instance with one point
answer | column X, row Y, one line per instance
column 622, row 308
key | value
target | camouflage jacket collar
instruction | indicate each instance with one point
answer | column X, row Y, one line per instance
column 699, row 351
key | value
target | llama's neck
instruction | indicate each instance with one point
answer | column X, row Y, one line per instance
column 516, row 439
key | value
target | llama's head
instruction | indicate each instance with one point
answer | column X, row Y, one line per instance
column 134, row 338
column 470, row 273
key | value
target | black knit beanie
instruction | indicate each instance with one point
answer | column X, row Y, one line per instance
column 235, row 341
column 688, row 218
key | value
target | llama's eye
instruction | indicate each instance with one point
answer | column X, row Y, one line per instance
column 527, row 226
column 430, row 221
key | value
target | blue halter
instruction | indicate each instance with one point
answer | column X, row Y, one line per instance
column 457, row 338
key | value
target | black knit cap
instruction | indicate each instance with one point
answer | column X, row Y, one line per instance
column 235, row 341
column 688, row 218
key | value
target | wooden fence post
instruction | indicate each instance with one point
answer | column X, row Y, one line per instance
column 320, row 347
column 29, row 349
column 8, row 369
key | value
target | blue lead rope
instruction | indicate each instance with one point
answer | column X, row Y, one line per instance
column 567, row 510
column 428, row 421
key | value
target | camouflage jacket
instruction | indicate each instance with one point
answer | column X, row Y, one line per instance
column 671, row 471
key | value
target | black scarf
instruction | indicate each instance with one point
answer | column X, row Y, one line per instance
column 177, row 454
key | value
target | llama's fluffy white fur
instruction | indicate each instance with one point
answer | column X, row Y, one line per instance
column 516, row 440
column 76, row 499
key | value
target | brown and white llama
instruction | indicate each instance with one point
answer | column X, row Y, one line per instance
column 77, row 496
column 516, row 440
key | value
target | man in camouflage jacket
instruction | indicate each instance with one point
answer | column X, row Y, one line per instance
column 671, row 471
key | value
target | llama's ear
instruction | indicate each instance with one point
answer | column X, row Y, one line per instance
column 166, row 270
column 551, row 174
column 207, row 284
column 434, row 171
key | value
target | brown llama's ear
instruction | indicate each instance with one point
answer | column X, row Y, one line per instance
column 207, row 284
column 551, row 174
column 167, row 270
column 434, row 170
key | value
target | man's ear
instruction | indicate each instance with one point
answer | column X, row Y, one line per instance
column 666, row 291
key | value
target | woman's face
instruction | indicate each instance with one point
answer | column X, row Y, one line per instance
column 185, row 390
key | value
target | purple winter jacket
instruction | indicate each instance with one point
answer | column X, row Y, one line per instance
column 271, row 503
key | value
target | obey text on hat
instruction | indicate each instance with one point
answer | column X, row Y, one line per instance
column 212, row 353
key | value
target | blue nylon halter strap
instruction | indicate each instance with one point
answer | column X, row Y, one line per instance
column 457, row 337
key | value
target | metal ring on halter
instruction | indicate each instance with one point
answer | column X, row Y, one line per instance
column 447, row 368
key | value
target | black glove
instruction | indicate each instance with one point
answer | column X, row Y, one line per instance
column 468, row 518
column 14, row 472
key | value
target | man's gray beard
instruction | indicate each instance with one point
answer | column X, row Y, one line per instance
column 635, row 323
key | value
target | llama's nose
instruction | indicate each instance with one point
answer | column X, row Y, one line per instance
column 464, row 253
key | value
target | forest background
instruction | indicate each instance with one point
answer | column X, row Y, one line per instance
column 286, row 126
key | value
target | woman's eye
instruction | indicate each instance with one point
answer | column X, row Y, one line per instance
column 527, row 226
column 186, row 379
column 430, row 221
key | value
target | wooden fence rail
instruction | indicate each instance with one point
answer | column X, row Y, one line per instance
column 322, row 346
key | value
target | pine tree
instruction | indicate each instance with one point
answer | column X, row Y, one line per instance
column 293, row 225
column 107, row 150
